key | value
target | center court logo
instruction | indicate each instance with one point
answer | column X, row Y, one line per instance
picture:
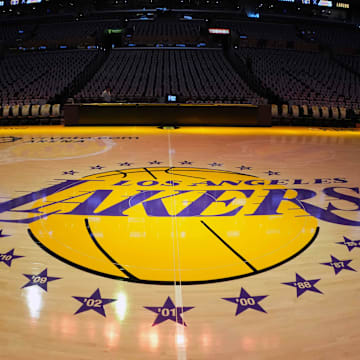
column 160, row 225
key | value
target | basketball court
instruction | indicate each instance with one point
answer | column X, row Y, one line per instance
column 190, row 243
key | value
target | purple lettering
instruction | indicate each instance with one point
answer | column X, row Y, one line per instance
column 43, row 193
column 230, row 182
column 254, row 182
column 323, row 181
column 272, row 201
column 170, row 183
column 197, row 207
column 122, row 182
column 207, row 183
column 279, row 182
column 328, row 215
column 90, row 205
column 119, row 208
column 340, row 180
column 148, row 183
column 300, row 182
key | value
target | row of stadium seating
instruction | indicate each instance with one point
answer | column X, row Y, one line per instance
column 26, row 76
column 53, row 114
column 313, row 112
column 297, row 78
column 89, row 32
column 352, row 62
column 9, row 33
column 336, row 36
column 72, row 34
column 186, row 73
column 260, row 30
column 305, row 78
column 165, row 31
column 30, row 114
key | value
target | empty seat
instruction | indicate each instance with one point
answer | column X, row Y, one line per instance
column 274, row 110
column 335, row 112
column 325, row 112
column 15, row 109
column 305, row 110
column 55, row 111
column 6, row 111
column 284, row 110
column 45, row 111
column 342, row 113
column 315, row 112
column 25, row 111
column 35, row 111
column 295, row 111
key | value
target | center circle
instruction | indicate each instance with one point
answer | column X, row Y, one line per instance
column 163, row 225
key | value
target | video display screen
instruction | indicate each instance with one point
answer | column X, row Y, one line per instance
column 18, row 2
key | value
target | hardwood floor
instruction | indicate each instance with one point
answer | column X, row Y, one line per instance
column 195, row 243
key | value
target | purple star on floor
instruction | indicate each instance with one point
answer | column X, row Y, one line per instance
column 215, row 164
column 350, row 244
column 270, row 173
column 41, row 280
column 125, row 164
column 155, row 162
column 71, row 172
column 2, row 235
column 97, row 167
column 8, row 257
column 169, row 312
column 186, row 162
column 245, row 301
column 339, row 265
column 94, row 302
column 303, row 285
column 243, row 167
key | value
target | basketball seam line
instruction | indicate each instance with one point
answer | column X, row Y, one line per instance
column 149, row 172
column 120, row 267
column 229, row 247
column 153, row 282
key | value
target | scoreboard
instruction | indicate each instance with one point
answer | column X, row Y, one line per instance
column 18, row 2
column 323, row 3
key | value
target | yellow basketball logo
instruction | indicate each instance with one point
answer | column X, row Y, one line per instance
column 165, row 225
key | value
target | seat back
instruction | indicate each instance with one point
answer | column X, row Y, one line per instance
column 295, row 111
column 305, row 110
column 25, row 110
column 285, row 110
column 335, row 112
column 342, row 113
column 55, row 111
column 274, row 110
column 35, row 110
column 325, row 112
column 45, row 110
column 15, row 110
column 6, row 111
column 315, row 112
